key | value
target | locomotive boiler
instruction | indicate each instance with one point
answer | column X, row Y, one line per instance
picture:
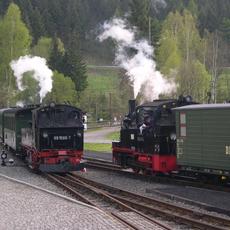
column 148, row 136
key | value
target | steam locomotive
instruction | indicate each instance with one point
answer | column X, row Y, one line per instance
column 148, row 136
column 49, row 138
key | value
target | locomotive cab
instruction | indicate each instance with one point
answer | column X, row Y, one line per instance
column 156, row 126
column 148, row 139
column 58, row 128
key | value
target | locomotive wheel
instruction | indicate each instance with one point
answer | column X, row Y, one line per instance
column 136, row 170
column 146, row 172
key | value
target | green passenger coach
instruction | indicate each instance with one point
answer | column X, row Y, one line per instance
column 2, row 111
column 203, row 138
column 14, row 120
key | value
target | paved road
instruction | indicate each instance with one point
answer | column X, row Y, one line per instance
column 99, row 136
column 98, row 155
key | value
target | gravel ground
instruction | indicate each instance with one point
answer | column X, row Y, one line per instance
column 23, row 207
column 34, row 209
column 15, row 203
column 213, row 198
column 21, row 172
column 220, row 200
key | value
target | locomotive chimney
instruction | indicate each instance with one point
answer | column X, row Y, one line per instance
column 132, row 106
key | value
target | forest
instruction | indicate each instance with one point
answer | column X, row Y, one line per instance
column 191, row 40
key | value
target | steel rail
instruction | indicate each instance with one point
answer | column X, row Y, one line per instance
column 71, row 185
column 75, row 181
column 173, row 212
column 174, row 179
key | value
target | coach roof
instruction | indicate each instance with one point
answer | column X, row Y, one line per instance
column 18, row 110
column 204, row 107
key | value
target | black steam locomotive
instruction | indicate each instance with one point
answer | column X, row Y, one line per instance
column 50, row 138
column 148, row 136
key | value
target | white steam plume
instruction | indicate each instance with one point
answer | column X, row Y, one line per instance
column 140, row 67
column 20, row 103
column 40, row 70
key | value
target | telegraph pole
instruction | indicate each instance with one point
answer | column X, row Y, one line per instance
column 150, row 30
column 110, row 107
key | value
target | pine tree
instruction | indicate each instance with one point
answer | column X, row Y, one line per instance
column 74, row 67
column 225, row 28
column 57, row 55
column 37, row 25
column 140, row 15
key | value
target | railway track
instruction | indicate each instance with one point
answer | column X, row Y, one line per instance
column 154, row 207
column 135, row 211
column 103, row 200
column 102, row 164
column 175, row 179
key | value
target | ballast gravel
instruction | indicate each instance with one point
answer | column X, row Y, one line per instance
column 20, row 171
column 23, row 207
column 216, row 199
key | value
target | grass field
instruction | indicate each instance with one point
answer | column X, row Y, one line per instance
column 114, row 136
column 102, row 79
column 92, row 130
column 105, row 96
column 98, row 147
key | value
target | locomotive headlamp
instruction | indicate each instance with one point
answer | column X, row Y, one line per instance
column 173, row 136
column 3, row 155
column 45, row 135
column 79, row 134
column 157, row 148
column 52, row 104
column 188, row 98
column 11, row 161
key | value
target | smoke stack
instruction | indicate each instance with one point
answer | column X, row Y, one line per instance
column 132, row 106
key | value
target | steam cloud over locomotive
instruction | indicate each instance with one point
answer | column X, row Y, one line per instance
column 50, row 138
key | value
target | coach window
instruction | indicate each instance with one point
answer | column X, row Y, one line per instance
column 182, row 124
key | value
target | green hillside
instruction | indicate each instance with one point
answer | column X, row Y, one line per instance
column 103, row 79
column 106, row 94
column 66, row 33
